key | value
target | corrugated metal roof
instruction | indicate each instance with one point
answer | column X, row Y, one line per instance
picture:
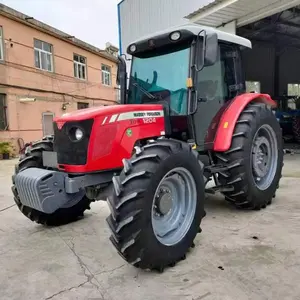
column 204, row 8
column 220, row 12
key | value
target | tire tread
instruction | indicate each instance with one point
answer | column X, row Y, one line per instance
column 127, row 206
column 235, row 156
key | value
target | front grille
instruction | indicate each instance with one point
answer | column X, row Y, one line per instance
column 68, row 151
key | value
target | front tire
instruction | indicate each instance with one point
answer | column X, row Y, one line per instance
column 254, row 160
column 33, row 159
column 140, row 237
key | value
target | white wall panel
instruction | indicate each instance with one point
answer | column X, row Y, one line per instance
column 142, row 17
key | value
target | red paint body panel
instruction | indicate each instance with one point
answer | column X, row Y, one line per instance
column 109, row 142
column 231, row 114
column 103, row 111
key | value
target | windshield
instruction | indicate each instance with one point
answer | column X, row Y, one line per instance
column 161, row 78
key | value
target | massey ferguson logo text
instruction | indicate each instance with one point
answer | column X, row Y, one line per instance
column 147, row 114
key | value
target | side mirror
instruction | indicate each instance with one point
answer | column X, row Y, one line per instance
column 208, row 53
column 121, row 69
column 122, row 78
column 210, row 49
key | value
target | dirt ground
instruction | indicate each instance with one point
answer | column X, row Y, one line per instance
column 239, row 255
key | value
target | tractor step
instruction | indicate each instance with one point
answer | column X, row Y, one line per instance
column 216, row 169
column 219, row 189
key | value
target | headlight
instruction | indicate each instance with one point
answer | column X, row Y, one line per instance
column 132, row 48
column 78, row 134
column 175, row 36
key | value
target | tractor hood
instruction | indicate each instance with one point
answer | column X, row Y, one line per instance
column 98, row 138
column 95, row 112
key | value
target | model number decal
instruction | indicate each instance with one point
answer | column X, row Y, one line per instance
column 149, row 120
column 148, row 116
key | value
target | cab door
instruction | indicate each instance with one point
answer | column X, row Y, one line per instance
column 215, row 86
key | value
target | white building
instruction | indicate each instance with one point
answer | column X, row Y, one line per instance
column 273, row 26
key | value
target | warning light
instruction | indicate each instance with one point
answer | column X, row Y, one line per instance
column 189, row 82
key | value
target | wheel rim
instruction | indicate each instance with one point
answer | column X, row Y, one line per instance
column 174, row 206
column 264, row 157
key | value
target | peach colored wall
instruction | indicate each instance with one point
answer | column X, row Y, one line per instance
column 25, row 119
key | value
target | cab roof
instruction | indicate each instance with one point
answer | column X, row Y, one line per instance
column 195, row 29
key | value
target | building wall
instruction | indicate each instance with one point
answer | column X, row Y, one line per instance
column 259, row 64
column 19, row 79
column 288, row 68
column 253, row 59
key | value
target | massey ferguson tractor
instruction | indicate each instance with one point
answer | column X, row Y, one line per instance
column 184, row 120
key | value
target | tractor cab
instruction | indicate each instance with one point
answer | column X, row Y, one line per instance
column 193, row 71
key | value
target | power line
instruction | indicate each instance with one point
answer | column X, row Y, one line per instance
column 111, row 59
column 45, row 73
column 72, row 91
column 87, row 84
column 54, row 92
column 65, row 77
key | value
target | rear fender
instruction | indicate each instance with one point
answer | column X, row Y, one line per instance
column 231, row 115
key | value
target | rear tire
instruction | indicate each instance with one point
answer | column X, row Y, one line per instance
column 250, row 190
column 33, row 159
column 135, row 190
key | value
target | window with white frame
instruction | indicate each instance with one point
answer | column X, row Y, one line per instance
column 1, row 44
column 79, row 66
column 43, row 55
column 293, row 89
column 106, row 75
column 253, row 86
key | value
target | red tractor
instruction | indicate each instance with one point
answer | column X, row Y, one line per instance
column 184, row 120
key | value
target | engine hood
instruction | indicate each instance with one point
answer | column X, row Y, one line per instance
column 94, row 112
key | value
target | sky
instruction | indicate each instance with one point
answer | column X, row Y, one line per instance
column 93, row 21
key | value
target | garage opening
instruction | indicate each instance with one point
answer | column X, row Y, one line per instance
column 273, row 65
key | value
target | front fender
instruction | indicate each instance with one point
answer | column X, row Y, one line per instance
column 231, row 115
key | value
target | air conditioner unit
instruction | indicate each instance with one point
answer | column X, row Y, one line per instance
column 23, row 100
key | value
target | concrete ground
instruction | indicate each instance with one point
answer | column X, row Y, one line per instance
column 239, row 255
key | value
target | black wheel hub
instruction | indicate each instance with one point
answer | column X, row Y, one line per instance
column 261, row 157
column 264, row 156
column 163, row 203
